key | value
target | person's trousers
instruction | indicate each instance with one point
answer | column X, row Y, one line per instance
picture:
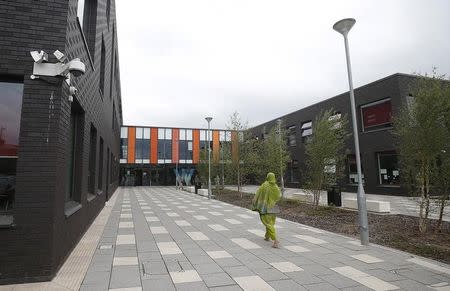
column 269, row 222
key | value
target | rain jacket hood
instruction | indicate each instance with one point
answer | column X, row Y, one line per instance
column 267, row 195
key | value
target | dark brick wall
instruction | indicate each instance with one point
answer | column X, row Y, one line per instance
column 370, row 142
column 43, row 236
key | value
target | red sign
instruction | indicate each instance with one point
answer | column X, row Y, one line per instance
column 378, row 114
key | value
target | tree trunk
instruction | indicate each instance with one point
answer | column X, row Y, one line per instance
column 422, row 215
column 444, row 197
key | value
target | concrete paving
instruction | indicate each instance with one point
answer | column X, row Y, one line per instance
column 399, row 204
column 159, row 238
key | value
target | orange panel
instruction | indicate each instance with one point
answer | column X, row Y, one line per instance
column 216, row 145
column 196, row 146
column 154, row 145
column 175, row 138
column 234, row 146
column 131, row 144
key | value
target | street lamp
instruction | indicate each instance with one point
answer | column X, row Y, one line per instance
column 209, row 156
column 281, row 158
column 343, row 27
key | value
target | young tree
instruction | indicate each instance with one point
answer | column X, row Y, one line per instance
column 202, row 167
column 236, row 125
column 325, row 152
column 422, row 132
column 275, row 153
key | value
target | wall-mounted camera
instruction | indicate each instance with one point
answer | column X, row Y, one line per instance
column 62, row 68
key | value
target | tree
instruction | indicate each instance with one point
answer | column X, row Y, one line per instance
column 325, row 152
column 422, row 131
column 275, row 154
column 202, row 167
column 236, row 125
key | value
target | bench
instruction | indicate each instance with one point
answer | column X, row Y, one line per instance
column 203, row 192
column 190, row 189
column 309, row 198
column 372, row 205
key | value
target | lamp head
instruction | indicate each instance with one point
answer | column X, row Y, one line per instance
column 208, row 119
column 343, row 26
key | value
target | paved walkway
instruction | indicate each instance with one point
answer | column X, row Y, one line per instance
column 399, row 204
column 158, row 238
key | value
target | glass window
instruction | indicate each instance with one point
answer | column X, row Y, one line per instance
column 203, row 135
column 161, row 133
column 221, row 135
column 182, row 134
column 92, row 160
column 168, row 133
column 124, row 132
column 80, row 11
column 377, row 115
column 352, row 170
column 100, row 166
column 388, row 171
column 11, row 94
column 189, row 134
column 291, row 136
column 102, row 70
column 146, row 133
column 336, row 119
column 307, row 128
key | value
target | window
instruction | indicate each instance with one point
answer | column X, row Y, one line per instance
column 123, row 145
column 164, row 145
column 102, row 71
column 306, row 130
column 388, row 170
column 293, row 171
column 92, row 159
column 100, row 166
column 336, row 119
column 203, row 139
column 75, row 143
column 377, row 115
column 114, row 118
column 185, row 146
column 113, row 50
column 87, row 18
column 108, row 10
column 352, row 170
column 142, row 152
column 292, row 140
column 11, row 93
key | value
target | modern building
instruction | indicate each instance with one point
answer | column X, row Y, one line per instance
column 59, row 149
column 154, row 155
column 376, row 105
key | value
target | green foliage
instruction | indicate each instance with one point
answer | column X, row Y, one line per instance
column 325, row 152
column 422, row 131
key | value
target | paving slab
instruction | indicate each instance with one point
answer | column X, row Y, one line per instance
column 211, row 245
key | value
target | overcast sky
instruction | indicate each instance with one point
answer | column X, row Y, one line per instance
column 183, row 60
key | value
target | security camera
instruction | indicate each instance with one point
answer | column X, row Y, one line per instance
column 76, row 67
column 39, row 57
column 60, row 56
column 73, row 90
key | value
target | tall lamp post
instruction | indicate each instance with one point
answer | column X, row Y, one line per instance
column 281, row 158
column 343, row 27
column 209, row 156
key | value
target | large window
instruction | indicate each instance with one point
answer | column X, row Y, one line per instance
column 123, row 145
column 142, row 153
column 102, row 70
column 377, row 115
column 100, row 166
column 185, row 146
column 87, row 18
column 75, row 144
column 92, row 160
column 306, row 130
column 292, row 140
column 388, row 170
column 352, row 170
column 11, row 93
column 164, row 145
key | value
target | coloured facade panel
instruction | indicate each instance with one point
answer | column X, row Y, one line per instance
column 175, row 144
column 131, row 144
column 216, row 145
column 154, row 145
column 196, row 145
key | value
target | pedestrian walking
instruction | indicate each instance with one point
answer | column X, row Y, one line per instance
column 264, row 202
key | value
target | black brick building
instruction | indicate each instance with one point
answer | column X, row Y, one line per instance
column 376, row 104
column 58, row 159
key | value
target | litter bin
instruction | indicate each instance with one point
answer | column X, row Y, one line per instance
column 334, row 196
column 197, row 186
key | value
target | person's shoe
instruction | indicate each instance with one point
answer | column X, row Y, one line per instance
column 267, row 239
column 276, row 244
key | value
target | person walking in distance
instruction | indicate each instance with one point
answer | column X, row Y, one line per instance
column 264, row 202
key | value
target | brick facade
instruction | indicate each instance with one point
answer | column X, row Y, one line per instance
column 43, row 234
